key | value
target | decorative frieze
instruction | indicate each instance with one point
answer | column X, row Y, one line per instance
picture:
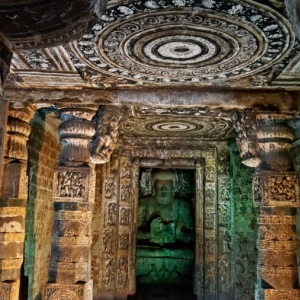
column 273, row 189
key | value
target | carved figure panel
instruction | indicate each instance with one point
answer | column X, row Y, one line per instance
column 112, row 213
column 125, row 193
column 109, row 273
column 109, row 187
column 72, row 184
column 283, row 190
column 108, row 241
column 122, row 273
column 124, row 241
column 124, row 215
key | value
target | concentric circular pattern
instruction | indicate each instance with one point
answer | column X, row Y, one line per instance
column 203, row 127
column 64, row 295
column 174, row 41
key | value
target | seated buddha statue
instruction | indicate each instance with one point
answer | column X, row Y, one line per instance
column 165, row 232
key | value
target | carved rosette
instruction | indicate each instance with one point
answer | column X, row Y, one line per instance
column 5, row 59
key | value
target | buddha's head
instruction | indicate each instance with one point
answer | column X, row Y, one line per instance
column 163, row 183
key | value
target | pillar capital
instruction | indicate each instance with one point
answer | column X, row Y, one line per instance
column 264, row 138
column 76, row 133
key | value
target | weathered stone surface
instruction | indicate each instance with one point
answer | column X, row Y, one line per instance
column 12, row 219
column 206, row 97
column 80, row 291
column 5, row 59
column 3, row 124
column 43, row 149
column 15, row 184
column 11, row 250
column 57, row 22
column 9, row 290
column 283, row 294
column 293, row 9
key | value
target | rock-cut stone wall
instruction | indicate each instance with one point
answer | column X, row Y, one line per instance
column 43, row 147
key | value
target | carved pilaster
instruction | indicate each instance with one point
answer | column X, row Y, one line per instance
column 73, row 197
column 5, row 58
column 276, row 195
column 14, row 192
column 199, row 232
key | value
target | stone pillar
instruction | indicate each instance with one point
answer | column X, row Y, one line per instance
column 73, row 195
column 5, row 59
column 13, row 201
column 276, row 196
column 84, row 140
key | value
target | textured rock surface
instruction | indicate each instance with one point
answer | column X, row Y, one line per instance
column 43, row 148
column 45, row 23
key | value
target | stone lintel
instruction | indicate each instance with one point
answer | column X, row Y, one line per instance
column 212, row 97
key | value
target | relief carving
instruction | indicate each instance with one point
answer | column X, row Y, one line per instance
column 124, row 241
column 112, row 213
column 72, row 184
column 125, row 170
column 108, row 241
column 106, row 122
column 109, row 187
column 224, row 274
column 122, row 273
column 109, row 278
column 209, row 220
column 283, row 190
column 124, row 216
column 244, row 122
column 125, row 193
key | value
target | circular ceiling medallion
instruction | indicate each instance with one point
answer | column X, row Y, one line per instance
column 203, row 127
column 179, row 41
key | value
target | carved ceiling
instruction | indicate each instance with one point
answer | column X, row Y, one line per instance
column 171, row 43
column 179, row 127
